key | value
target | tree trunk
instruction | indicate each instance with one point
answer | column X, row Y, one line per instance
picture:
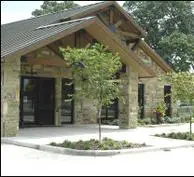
column 99, row 123
column 190, row 122
column 82, row 110
column 190, row 126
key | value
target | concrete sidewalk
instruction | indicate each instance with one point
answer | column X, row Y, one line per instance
column 36, row 137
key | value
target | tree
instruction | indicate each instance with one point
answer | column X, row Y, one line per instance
column 93, row 71
column 163, row 20
column 183, row 89
column 53, row 6
column 178, row 48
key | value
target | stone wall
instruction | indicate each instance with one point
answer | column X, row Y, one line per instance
column 85, row 112
column 153, row 90
column 128, row 110
column 10, row 89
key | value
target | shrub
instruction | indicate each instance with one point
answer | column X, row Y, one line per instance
column 145, row 121
column 53, row 143
column 92, row 144
column 178, row 135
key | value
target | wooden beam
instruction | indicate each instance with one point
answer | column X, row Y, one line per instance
column 56, row 52
column 107, row 38
column 47, row 61
column 99, row 15
column 111, row 16
column 88, row 37
column 133, row 35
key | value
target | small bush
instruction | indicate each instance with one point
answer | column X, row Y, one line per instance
column 176, row 119
column 145, row 121
column 53, row 143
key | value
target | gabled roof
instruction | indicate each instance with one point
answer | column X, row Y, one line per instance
column 12, row 32
column 24, row 40
column 21, row 35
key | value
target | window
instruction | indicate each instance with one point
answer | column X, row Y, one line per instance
column 110, row 113
column 67, row 103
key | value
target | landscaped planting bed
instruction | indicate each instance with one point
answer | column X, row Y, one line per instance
column 178, row 135
column 92, row 144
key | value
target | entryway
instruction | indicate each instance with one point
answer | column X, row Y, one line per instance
column 37, row 101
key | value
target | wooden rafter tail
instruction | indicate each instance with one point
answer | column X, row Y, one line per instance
column 133, row 35
column 118, row 23
column 136, row 44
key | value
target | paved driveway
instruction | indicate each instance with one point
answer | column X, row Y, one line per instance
column 23, row 161
column 45, row 135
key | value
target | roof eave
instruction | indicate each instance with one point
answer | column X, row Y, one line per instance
column 158, row 59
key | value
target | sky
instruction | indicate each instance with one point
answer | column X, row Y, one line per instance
column 18, row 10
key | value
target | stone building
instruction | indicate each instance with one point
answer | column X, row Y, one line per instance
column 34, row 77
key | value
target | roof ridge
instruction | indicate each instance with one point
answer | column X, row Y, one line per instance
column 62, row 23
column 31, row 18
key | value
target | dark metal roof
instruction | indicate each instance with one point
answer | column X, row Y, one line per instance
column 26, row 39
column 17, row 35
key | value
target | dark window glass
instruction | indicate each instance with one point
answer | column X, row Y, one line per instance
column 66, row 101
column 141, row 100
column 110, row 113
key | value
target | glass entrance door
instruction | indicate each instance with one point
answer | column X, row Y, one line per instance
column 36, row 101
column 28, row 101
column 45, row 101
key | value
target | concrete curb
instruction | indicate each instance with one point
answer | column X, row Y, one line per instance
column 162, row 125
column 92, row 152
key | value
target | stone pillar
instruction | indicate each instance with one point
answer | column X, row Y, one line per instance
column 154, row 94
column 128, row 111
column 85, row 114
column 58, row 94
column 10, row 96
